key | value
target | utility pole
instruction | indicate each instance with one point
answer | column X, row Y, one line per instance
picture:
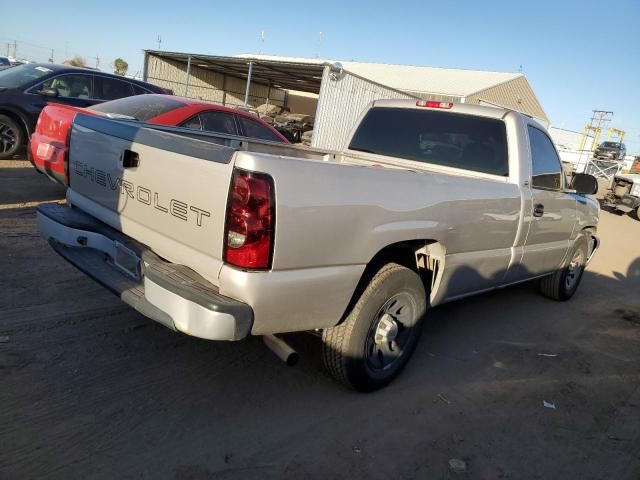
column 51, row 57
column 15, row 49
column 97, row 60
column 8, row 49
column 159, row 40
column 598, row 120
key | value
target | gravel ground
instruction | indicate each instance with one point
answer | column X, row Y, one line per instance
column 90, row 389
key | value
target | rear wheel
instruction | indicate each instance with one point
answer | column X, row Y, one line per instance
column 11, row 137
column 563, row 283
column 370, row 348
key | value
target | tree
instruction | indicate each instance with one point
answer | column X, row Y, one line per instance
column 120, row 66
column 78, row 61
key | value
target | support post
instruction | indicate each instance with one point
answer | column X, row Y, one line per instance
column 224, row 89
column 186, row 87
column 246, row 93
column 145, row 69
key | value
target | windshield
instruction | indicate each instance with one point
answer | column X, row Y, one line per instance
column 140, row 107
column 610, row 144
column 4, row 61
column 22, row 75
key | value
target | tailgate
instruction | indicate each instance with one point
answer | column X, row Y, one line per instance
column 161, row 188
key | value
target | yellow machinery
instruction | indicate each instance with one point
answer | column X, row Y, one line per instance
column 614, row 131
column 597, row 132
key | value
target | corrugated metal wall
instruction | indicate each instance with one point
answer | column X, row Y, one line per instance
column 341, row 103
column 207, row 85
column 515, row 94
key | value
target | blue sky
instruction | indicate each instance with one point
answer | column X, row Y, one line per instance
column 578, row 55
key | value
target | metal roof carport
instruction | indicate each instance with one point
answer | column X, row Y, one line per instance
column 253, row 81
column 304, row 77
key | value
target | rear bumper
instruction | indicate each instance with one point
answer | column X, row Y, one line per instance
column 170, row 294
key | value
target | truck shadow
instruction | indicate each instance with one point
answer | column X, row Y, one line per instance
column 25, row 185
column 125, row 384
column 503, row 311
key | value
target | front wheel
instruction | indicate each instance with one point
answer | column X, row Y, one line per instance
column 562, row 284
column 370, row 348
column 11, row 137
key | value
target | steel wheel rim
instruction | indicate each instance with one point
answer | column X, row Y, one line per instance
column 382, row 356
column 574, row 270
column 7, row 137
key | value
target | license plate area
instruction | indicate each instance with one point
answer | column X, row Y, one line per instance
column 126, row 260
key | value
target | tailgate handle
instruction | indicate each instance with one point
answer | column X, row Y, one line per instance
column 130, row 159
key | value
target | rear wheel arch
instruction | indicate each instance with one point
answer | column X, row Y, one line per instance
column 589, row 234
column 18, row 118
column 425, row 257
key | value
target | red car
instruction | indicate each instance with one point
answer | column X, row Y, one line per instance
column 48, row 145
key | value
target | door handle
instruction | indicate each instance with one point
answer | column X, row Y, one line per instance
column 538, row 210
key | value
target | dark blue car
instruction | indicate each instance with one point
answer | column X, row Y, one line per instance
column 26, row 89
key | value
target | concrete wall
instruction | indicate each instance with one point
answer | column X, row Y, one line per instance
column 515, row 94
column 207, row 85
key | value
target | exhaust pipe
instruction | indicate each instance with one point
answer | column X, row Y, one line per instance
column 282, row 349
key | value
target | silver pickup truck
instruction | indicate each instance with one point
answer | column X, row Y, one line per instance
column 222, row 237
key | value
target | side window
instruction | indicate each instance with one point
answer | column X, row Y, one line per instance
column 193, row 122
column 138, row 90
column 112, row 89
column 71, row 86
column 219, row 122
column 546, row 168
column 253, row 129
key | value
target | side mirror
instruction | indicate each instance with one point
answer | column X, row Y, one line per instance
column 584, row 184
column 48, row 92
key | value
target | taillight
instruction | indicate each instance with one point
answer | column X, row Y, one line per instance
column 433, row 104
column 249, row 229
column 67, row 144
column 45, row 151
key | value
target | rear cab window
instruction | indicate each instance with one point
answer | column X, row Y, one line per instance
column 141, row 107
column 448, row 139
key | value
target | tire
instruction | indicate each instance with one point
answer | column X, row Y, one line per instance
column 562, row 284
column 370, row 348
column 11, row 137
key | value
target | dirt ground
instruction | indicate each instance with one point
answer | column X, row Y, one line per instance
column 90, row 389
